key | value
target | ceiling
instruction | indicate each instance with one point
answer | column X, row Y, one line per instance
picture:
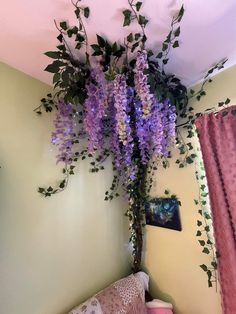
column 208, row 32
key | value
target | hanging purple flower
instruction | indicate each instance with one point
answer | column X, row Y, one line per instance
column 142, row 131
column 95, row 109
column 64, row 133
column 141, row 83
column 123, row 129
column 163, row 127
column 157, row 129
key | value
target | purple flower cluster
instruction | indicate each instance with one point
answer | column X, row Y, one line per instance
column 95, row 109
column 170, row 126
column 126, row 115
column 142, row 87
column 163, row 127
column 121, row 104
column 156, row 132
column 64, row 132
column 142, row 131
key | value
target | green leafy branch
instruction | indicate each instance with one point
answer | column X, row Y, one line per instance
column 49, row 191
column 171, row 40
column 205, row 227
column 47, row 103
column 137, row 39
column 207, row 79
column 186, row 148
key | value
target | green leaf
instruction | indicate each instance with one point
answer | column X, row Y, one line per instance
column 53, row 54
column 207, row 216
column 204, row 267
column 138, row 5
column 227, row 101
column 77, row 12
column 101, row 41
column 164, row 46
column 177, row 32
column 41, row 190
column 65, row 77
column 202, row 242
column 166, row 192
column 199, row 223
column 209, row 283
column 54, row 67
column 198, row 234
column 142, row 20
column 80, row 38
column 130, row 38
column 202, row 187
column 86, row 12
column 97, row 50
column 62, row 184
column 127, row 17
column 56, row 77
column 176, row 44
column 180, row 14
column 137, row 36
column 165, row 61
column 114, row 47
column 205, row 250
column 78, row 46
column 159, row 55
column 64, row 25
column 189, row 160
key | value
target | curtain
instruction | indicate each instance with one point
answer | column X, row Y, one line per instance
column 217, row 136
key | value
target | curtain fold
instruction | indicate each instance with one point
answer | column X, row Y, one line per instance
column 217, row 136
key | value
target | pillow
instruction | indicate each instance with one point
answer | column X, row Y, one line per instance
column 125, row 296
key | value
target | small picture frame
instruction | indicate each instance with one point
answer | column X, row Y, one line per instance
column 163, row 212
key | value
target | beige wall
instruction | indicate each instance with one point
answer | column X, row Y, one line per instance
column 53, row 252
column 173, row 258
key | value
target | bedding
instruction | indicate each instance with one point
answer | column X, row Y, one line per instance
column 125, row 296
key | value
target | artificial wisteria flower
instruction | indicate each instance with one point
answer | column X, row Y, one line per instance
column 64, row 132
column 157, row 129
column 95, row 109
column 141, row 83
column 123, row 129
column 163, row 127
column 142, row 131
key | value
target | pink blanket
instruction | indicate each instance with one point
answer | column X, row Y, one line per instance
column 125, row 296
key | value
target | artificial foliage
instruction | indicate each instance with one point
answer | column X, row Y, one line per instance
column 116, row 100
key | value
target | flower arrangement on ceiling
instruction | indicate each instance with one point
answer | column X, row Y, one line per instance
column 116, row 100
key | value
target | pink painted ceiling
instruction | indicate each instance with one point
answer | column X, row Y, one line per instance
column 208, row 31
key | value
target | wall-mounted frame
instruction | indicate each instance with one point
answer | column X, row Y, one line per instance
column 163, row 212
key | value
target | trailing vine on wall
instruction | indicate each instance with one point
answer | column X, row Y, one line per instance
column 204, row 223
column 116, row 100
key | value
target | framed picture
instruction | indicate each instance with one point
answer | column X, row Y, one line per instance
column 163, row 212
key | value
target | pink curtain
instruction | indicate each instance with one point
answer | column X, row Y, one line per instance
column 217, row 135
